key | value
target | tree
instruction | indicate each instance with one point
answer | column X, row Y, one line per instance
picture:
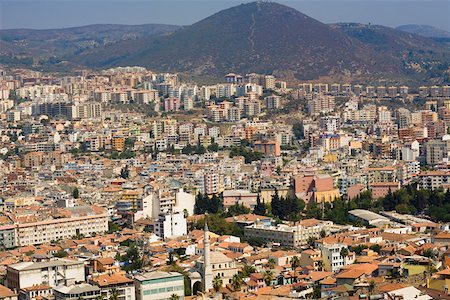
column 376, row 248
column 124, row 172
column 236, row 282
column 275, row 204
column 174, row 297
column 430, row 253
column 114, row 294
column 61, row 254
column 320, row 265
column 76, row 193
column 268, row 277
column 217, row 283
column 247, row 270
column 371, row 286
column 260, row 207
column 344, row 253
column 237, row 209
column 271, row 263
column 295, row 263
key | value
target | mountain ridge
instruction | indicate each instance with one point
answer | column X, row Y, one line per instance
column 267, row 38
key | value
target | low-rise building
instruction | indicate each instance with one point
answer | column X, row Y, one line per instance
column 159, row 285
column 289, row 236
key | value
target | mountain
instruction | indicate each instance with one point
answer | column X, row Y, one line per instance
column 272, row 38
column 22, row 46
column 261, row 37
column 425, row 30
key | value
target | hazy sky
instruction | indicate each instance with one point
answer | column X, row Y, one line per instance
column 66, row 13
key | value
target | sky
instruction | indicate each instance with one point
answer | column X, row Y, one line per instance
column 43, row 14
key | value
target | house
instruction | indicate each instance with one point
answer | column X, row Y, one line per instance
column 7, row 294
column 110, row 282
column 409, row 292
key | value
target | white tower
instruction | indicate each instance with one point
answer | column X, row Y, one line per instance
column 207, row 275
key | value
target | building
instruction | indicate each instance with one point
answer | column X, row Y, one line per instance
column 80, row 291
column 381, row 189
column 159, row 285
column 436, row 151
column 52, row 273
column 85, row 220
column 211, row 183
column 333, row 258
column 7, row 294
column 110, row 282
column 367, row 217
column 241, row 197
column 171, row 225
column 434, row 179
column 288, row 236
column 319, row 188
column 270, row 148
column 273, row 102
column 118, row 143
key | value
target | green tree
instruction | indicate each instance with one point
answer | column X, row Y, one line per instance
column 236, row 282
column 217, row 283
column 260, row 207
column 268, row 277
column 344, row 253
column 247, row 270
column 124, row 172
column 61, row 254
column 76, row 193
column 271, row 263
column 174, row 297
column 295, row 263
column 320, row 265
column 114, row 294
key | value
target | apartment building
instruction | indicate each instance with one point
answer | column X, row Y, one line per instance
column 434, row 179
column 286, row 235
column 333, row 258
column 159, row 285
column 61, row 223
column 109, row 282
column 52, row 273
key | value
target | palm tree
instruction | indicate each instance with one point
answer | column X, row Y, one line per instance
column 344, row 253
column 247, row 270
column 114, row 295
column 268, row 277
column 271, row 263
column 100, row 297
column 320, row 265
column 295, row 263
column 236, row 282
column 174, row 297
column 217, row 283
column 371, row 286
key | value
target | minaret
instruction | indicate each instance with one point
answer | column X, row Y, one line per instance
column 207, row 270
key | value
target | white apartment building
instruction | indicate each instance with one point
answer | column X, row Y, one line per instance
column 159, row 285
column 52, row 273
column 84, row 220
column 288, row 236
column 332, row 257
column 171, row 225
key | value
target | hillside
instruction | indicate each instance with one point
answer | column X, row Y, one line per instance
column 260, row 37
column 415, row 55
column 425, row 30
column 273, row 38
column 20, row 46
column 254, row 37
